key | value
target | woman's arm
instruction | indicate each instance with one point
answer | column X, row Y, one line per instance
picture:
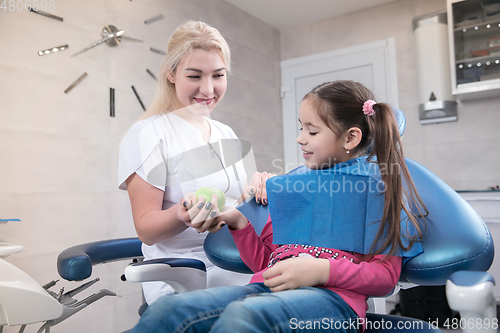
column 152, row 224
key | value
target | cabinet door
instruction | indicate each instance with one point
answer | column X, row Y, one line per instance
column 474, row 33
column 372, row 64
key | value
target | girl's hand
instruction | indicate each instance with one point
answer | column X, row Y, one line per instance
column 257, row 188
column 297, row 272
column 230, row 216
column 197, row 213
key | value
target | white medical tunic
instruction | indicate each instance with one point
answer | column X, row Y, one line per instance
column 170, row 154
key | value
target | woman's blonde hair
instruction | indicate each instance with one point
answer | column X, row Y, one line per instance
column 189, row 36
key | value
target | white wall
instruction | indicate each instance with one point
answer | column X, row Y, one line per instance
column 58, row 170
column 464, row 153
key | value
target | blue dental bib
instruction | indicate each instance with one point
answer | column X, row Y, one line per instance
column 338, row 208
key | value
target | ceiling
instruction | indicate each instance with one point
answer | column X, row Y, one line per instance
column 285, row 14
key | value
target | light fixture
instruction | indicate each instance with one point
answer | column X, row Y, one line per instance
column 436, row 102
column 53, row 50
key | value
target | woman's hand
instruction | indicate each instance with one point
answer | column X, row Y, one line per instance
column 257, row 188
column 297, row 272
column 196, row 213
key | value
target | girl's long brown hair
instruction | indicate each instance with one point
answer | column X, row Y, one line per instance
column 340, row 105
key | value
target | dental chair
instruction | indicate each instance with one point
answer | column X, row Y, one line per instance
column 458, row 250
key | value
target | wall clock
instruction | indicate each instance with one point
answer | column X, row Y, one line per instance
column 109, row 35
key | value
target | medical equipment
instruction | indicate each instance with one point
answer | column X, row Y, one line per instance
column 23, row 301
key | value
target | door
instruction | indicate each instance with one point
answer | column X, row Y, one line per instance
column 372, row 64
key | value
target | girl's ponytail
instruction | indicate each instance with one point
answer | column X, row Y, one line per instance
column 400, row 190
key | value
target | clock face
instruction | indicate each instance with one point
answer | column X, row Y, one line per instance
column 57, row 142
column 91, row 56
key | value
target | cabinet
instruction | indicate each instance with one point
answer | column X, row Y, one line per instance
column 474, row 35
column 487, row 205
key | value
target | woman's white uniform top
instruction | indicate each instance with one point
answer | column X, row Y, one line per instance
column 170, row 154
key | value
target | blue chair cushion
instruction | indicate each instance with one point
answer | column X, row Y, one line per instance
column 456, row 238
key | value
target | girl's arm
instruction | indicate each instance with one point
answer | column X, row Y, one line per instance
column 373, row 277
column 255, row 250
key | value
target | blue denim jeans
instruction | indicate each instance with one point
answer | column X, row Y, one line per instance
column 251, row 308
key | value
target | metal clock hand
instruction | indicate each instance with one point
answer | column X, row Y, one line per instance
column 113, row 41
column 112, row 36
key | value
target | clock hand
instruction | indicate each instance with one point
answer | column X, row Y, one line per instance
column 113, row 41
column 113, row 35
column 130, row 38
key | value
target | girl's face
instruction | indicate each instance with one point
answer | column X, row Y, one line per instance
column 321, row 147
column 200, row 81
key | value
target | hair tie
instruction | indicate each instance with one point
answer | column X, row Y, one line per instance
column 368, row 107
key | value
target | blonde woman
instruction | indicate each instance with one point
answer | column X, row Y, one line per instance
column 177, row 148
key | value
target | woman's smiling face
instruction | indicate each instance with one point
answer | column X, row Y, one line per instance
column 200, row 81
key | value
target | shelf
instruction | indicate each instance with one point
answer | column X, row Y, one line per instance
column 493, row 24
column 493, row 57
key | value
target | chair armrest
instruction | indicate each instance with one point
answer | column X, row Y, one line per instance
column 75, row 263
column 181, row 274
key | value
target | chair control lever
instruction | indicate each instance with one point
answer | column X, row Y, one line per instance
column 81, row 288
column 50, row 284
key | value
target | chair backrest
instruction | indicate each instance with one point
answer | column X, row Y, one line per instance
column 456, row 237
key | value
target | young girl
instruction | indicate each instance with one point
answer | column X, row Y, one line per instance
column 307, row 285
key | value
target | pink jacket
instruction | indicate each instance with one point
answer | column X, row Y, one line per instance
column 352, row 276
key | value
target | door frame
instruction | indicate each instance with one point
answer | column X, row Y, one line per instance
column 289, row 70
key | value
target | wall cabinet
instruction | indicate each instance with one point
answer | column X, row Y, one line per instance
column 474, row 35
